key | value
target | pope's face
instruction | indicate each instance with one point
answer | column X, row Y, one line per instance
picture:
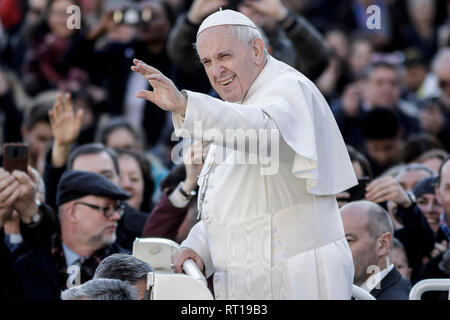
column 231, row 65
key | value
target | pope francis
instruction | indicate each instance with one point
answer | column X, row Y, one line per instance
column 263, row 236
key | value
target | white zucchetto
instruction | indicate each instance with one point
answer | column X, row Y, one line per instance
column 225, row 17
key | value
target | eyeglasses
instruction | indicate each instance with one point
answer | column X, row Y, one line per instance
column 108, row 212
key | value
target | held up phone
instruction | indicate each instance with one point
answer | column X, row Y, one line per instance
column 15, row 157
column 358, row 192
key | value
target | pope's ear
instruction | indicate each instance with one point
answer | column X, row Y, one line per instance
column 258, row 49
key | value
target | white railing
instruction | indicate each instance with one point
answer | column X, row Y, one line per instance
column 360, row 294
column 429, row 285
column 163, row 283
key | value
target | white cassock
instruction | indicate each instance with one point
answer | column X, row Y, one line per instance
column 274, row 236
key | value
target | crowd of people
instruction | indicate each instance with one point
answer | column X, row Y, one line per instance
column 102, row 167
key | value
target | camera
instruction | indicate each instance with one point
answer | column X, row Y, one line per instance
column 357, row 192
column 124, row 12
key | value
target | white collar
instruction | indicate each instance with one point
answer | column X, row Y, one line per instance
column 259, row 81
column 375, row 279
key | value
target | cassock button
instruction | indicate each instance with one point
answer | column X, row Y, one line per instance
column 206, row 202
column 217, row 296
column 216, row 280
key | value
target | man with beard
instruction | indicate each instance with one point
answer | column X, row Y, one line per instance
column 89, row 210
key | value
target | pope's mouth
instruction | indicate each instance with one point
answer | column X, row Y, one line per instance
column 227, row 81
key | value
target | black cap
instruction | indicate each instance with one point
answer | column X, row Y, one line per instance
column 76, row 184
column 425, row 186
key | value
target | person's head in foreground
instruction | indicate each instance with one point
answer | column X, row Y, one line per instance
column 126, row 268
column 233, row 53
column 369, row 232
column 101, row 289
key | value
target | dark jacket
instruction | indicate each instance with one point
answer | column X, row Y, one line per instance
column 5, row 263
column 417, row 237
column 392, row 287
column 34, row 275
column 431, row 270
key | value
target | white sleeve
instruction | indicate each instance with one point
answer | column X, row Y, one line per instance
column 223, row 123
column 302, row 117
column 197, row 240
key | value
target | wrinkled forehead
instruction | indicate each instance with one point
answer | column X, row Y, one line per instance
column 215, row 39
column 218, row 33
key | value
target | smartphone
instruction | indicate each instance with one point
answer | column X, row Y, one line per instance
column 358, row 192
column 15, row 157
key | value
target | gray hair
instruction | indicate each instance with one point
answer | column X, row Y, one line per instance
column 246, row 35
column 124, row 267
column 432, row 154
column 414, row 167
column 101, row 289
column 379, row 221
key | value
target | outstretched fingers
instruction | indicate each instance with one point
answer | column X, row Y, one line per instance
column 57, row 107
column 68, row 103
column 145, row 94
column 144, row 68
column 157, row 80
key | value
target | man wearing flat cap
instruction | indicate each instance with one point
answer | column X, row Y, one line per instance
column 270, row 228
column 89, row 207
